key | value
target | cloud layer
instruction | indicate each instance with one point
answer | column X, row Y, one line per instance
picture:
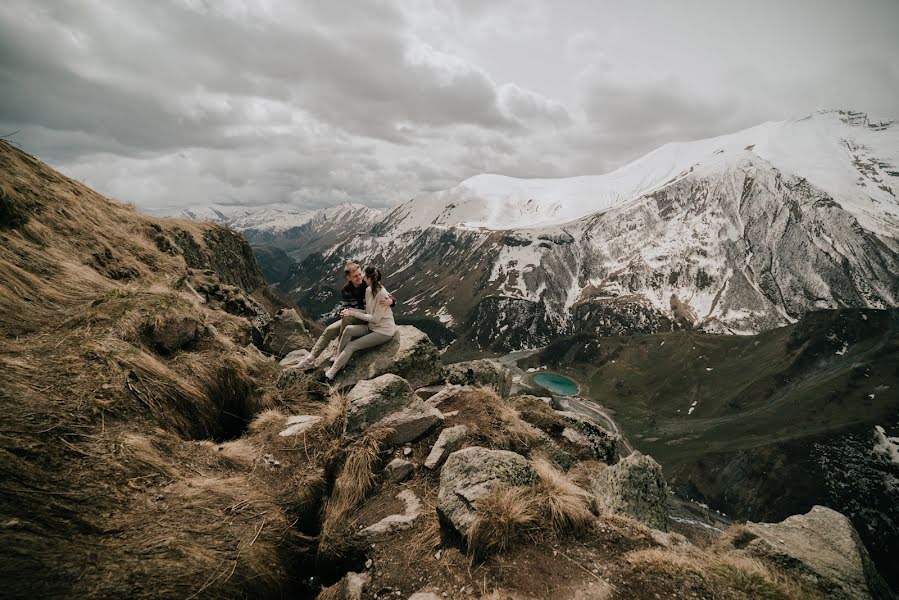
column 305, row 104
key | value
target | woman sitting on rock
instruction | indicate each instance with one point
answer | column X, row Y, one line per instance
column 379, row 329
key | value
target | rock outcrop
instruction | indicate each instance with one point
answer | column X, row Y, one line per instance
column 633, row 487
column 388, row 401
column 481, row 372
column 472, row 473
column 601, row 442
column 287, row 332
column 823, row 547
column 410, row 354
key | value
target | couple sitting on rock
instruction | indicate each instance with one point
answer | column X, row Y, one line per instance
column 367, row 316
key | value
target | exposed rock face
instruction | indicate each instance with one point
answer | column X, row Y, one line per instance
column 410, row 354
column 172, row 334
column 481, row 372
column 450, row 440
column 388, row 401
column 603, row 443
column 823, row 547
column 287, row 333
column 472, row 473
column 633, row 487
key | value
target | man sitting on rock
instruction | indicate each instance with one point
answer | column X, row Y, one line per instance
column 352, row 296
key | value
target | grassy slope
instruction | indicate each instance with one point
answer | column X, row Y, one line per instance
column 749, row 391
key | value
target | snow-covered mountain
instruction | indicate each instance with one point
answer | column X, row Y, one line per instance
column 737, row 234
column 297, row 233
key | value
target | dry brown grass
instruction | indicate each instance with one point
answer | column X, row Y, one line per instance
column 566, row 506
column 504, row 429
column 503, row 516
column 537, row 413
column 355, row 465
column 105, row 493
column 728, row 575
column 736, row 536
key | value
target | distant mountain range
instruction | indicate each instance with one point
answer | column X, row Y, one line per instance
column 733, row 234
column 297, row 233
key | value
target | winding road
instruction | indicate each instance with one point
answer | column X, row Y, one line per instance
column 576, row 404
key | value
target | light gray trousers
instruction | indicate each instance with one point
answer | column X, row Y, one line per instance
column 365, row 338
column 332, row 331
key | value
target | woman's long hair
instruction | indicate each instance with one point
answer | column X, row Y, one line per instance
column 374, row 273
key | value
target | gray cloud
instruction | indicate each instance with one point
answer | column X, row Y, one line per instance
column 305, row 103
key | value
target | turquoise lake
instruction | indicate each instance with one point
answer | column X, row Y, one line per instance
column 556, row 384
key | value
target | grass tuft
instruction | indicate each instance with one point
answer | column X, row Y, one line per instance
column 502, row 517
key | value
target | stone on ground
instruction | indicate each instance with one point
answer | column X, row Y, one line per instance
column 450, row 440
column 388, row 401
column 472, row 473
column 481, row 372
column 821, row 546
column 298, row 424
column 398, row 469
column 633, row 487
column 394, row 523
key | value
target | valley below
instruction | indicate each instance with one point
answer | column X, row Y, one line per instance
column 760, row 427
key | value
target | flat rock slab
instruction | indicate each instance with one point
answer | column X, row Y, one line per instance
column 444, row 393
column 394, row 523
column 298, row 424
column 471, row 474
column 410, row 354
column 388, row 401
column 822, row 546
column 450, row 440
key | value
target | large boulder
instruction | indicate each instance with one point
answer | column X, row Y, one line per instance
column 481, row 372
column 388, row 401
column 602, row 443
column 287, row 332
column 822, row 547
column 410, row 354
column 633, row 487
column 472, row 473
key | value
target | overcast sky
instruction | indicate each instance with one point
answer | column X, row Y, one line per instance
column 293, row 103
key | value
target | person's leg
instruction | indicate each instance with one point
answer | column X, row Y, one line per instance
column 366, row 341
column 350, row 332
column 330, row 332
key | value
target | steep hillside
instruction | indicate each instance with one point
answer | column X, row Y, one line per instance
column 737, row 234
column 762, row 426
column 126, row 359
